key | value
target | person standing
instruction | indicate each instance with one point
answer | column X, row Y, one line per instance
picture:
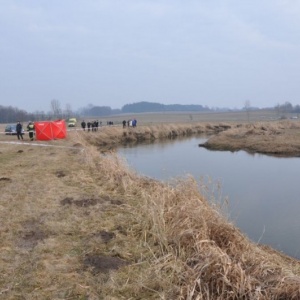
column 30, row 128
column 19, row 130
column 83, row 124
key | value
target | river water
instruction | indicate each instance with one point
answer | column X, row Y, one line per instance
column 262, row 191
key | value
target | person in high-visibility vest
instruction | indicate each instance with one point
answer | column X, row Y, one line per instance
column 30, row 128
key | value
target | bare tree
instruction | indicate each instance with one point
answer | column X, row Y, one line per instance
column 39, row 115
column 247, row 108
column 12, row 114
column 68, row 110
column 283, row 110
column 55, row 107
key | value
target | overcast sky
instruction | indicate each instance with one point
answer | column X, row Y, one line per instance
column 218, row 53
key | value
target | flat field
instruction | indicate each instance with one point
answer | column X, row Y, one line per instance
column 188, row 117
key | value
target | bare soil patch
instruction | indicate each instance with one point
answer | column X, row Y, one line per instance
column 31, row 234
column 116, row 202
column 81, row 202
column 60, row 173
column 105, row 235
column 103, row 264
column 5, row 179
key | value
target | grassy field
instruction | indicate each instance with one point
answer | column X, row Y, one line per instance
column 192, row 117
column 78, row 224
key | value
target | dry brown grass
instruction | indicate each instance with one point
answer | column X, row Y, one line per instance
column 80, row 225
column 109, row 137
column 281, row 138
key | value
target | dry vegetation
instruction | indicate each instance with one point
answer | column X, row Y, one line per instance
column 76, row 224
column 281, row 138
column 114, row 136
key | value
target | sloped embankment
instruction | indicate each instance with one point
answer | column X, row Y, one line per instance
column 188, row 250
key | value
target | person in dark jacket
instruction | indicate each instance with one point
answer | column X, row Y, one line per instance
column 83, row 124
column 19, row 130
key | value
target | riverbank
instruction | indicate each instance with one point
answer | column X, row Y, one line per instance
column 278, row 138
column 110, row 137
column 79, row 225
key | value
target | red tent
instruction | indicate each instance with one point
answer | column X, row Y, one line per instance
column 50, row 130
column 59, row 129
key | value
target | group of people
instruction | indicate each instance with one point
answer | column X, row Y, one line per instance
column 94, row 125
column 130, row 123
column 30, row 129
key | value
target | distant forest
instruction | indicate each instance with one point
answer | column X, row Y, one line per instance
column 10, row 114
column 140, row 107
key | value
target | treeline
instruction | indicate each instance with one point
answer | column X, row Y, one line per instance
column 142, row 107
column 11, row 114
column 139, row 107
column 287, row 107
column 145, row 107
column 98, row 111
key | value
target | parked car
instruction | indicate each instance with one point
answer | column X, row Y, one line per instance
column 72, row 122
column 10, row 129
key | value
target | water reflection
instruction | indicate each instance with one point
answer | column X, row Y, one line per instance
column 263, row 191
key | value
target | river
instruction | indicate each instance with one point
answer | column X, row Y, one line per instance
column 262, row 191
